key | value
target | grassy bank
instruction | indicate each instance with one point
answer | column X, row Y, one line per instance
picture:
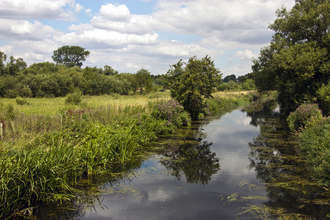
column 43, row 157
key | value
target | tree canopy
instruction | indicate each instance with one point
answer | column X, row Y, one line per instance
column 144, row 81
column 70, row 56
column 296, row 63
column 191, row 83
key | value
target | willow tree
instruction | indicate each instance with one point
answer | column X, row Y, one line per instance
column 297, row 61
column 193, row 82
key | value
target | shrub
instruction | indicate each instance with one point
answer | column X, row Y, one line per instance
column 20, row 101
column 301, row 116
column 323, row 95
column 73, row 98
column 314, row 145
column 172, row 112
column 10, row 112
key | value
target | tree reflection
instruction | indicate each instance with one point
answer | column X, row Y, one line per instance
column 260, row 110
column 194, row 161
column 288, row 181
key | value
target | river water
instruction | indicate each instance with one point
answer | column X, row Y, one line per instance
column 242, row 164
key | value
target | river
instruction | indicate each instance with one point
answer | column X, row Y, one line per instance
column 242, row 164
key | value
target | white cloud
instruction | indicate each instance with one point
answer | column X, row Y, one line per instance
column 22, row 29
column 46, row 46
column 244, row 54
column 97, row 38
column 88, row 11
column 78, row 8
column 36, row 9
column 132, row 66
column 138, row 24
column 115, row 12
column 7, row 49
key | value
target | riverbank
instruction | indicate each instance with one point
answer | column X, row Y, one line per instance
column 43, row 157
column 312, row 129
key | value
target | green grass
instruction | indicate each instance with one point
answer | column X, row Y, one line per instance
column 53, row 106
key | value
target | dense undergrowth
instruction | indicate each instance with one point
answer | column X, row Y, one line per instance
column 312, row 130
column 42, row 158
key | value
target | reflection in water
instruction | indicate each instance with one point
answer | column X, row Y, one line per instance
column 292, row 193
column 249, row 152
column 195, row 161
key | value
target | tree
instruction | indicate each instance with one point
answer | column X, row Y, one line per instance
column 230, row 78
column 297, row 61
column 3, row 58
column 70, row 56
column 193, row 82
column 144, row 80
column 108, row 70
column 15, row 65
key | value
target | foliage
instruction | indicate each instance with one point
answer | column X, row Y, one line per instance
column 323, row 95
column 172, row 112
column 296, row 62
column 303, row 115
column 231, row 77
column 144, row 80
column 314, row 145
column 70, row 56
column 10, row 112
column 193, row 82
column 73, row 98
column 21, row 101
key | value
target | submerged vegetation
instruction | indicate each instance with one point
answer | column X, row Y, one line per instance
column 292, row 188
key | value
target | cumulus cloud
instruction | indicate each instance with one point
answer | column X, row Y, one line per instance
column 88, row 11
column 36, row 9
column 115, row 12
column 78, row 8
column 138, row 24
column 25, row 30
column 46, row 46
column 244, row 54
column 97, row 38
column 7, row 49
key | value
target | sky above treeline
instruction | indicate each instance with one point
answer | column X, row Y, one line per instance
column 134, row 34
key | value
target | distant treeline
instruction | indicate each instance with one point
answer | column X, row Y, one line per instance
column 231, row 83
column 52, row 80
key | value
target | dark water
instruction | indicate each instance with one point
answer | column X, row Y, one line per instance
column 240, row 165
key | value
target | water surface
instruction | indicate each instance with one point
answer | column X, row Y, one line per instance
column 240, row 165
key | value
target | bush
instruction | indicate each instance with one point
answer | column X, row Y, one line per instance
column 172, row 112
column 314, row 143
column 323, row 95
column 73, row 98
column 10, row 112
column 20, row 101
column 302, row 116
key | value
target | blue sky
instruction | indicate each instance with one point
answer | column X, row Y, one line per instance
column 135, row 34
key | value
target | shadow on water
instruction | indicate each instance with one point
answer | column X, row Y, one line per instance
column 291, row 192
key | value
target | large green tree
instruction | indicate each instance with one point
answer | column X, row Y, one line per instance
column 144, row 81
column 193, row 82
column 296, row 63
column 70, row 56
